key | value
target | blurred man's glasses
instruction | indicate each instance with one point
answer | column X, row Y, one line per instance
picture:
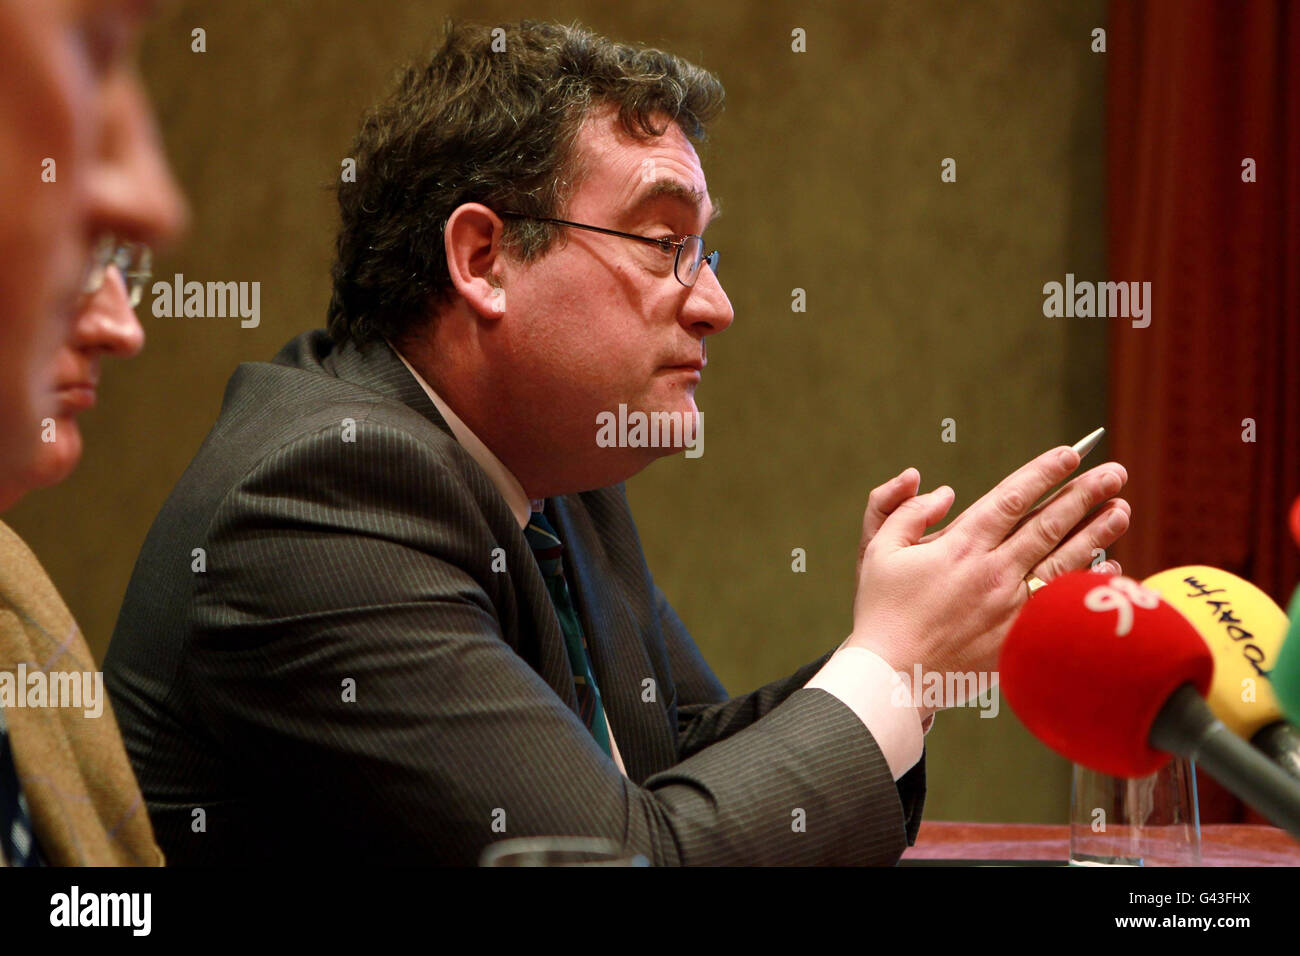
column 133, row 260
column 690, row 249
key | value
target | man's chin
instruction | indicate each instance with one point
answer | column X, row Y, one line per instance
column 611, row 466
column 56, row 460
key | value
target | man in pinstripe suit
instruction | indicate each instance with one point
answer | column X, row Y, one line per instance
column 342, row 639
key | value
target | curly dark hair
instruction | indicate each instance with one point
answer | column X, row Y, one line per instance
column 478, row 123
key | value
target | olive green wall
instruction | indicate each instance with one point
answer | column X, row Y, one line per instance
column 923, row 298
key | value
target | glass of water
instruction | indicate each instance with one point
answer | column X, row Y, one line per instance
column 1144, row 821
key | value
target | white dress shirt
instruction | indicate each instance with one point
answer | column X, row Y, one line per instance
column 864, row 681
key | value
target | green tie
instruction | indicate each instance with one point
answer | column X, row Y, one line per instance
column 549, row 551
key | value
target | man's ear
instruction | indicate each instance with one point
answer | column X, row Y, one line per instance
column 472, row 241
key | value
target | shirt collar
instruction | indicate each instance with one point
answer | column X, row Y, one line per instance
column 506, row 483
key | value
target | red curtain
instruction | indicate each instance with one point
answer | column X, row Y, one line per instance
column 1195, row 90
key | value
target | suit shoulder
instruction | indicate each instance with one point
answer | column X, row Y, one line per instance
column 294, row 398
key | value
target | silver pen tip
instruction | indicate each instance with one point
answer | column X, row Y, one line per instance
column 1088, row 443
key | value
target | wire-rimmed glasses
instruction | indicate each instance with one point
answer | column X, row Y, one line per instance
column 134, row 260
column 689, row 249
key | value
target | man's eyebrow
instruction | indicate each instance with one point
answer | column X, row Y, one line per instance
column 677, row 191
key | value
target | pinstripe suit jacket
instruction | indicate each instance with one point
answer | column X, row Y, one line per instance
column 320, row 658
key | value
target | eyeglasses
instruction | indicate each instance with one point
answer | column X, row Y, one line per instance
column 689, row 255
column 134, row 260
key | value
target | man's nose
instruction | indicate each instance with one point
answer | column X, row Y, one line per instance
column 708, row 310
column 131, row 190
column 106, row 323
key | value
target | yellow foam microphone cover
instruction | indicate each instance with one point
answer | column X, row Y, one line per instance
column 1244, row 629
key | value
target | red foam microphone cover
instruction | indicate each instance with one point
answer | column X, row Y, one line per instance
column 1295, row 522
column 1089, row 663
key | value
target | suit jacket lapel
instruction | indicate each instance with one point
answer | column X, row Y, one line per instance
column 537, row 637
column 619, row 659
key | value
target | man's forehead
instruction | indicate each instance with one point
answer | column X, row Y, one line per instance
column 636, row 171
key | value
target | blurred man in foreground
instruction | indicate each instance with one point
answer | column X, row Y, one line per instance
column 82, row 184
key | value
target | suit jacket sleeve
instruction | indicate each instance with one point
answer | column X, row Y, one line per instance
column 348, row 655
column 705, row 714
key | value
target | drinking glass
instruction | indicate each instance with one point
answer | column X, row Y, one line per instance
column 1144, row 821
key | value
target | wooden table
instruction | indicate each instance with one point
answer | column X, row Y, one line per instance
column 1222, row 844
